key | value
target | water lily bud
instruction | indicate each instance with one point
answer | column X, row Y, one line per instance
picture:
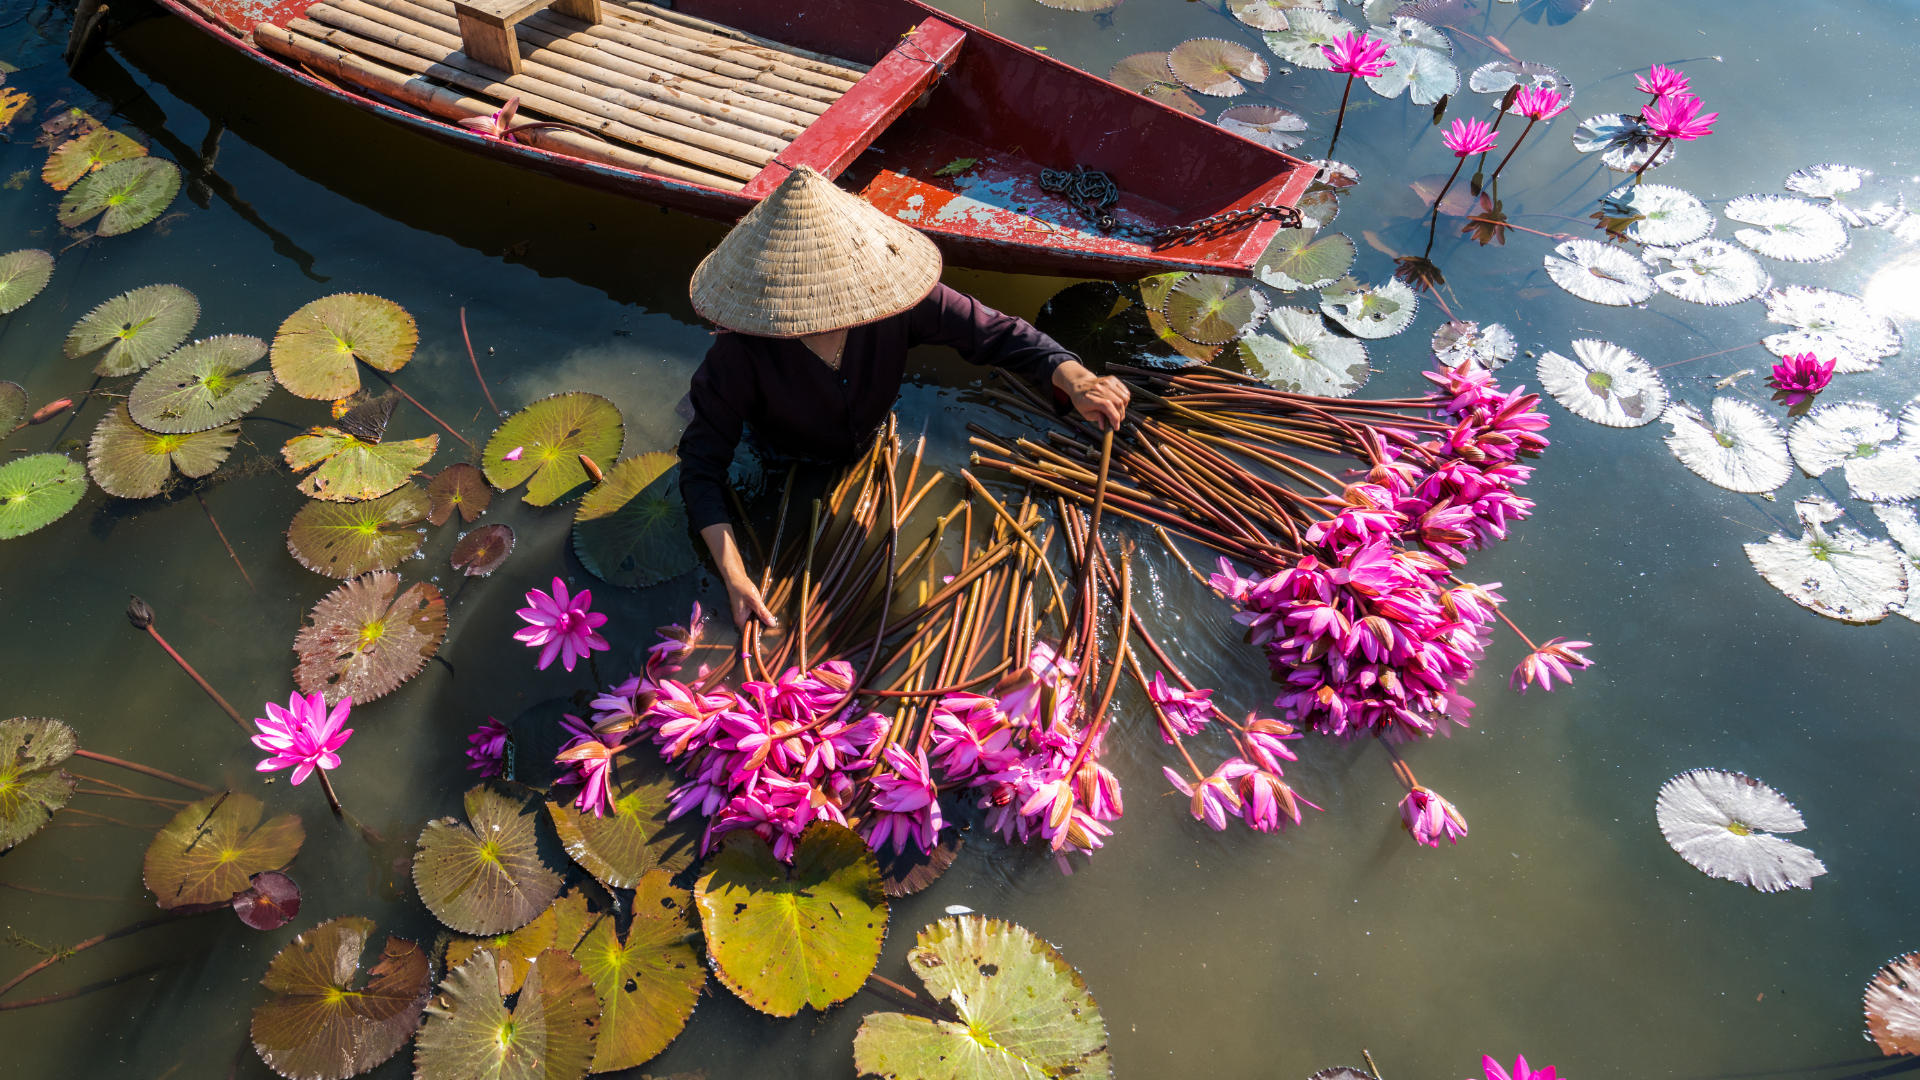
column 50, row 410
column 593, row 469
column 138, row 613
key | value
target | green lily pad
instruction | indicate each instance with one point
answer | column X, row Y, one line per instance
column 1097, row 320
column 550, row 435
column 1154, row 293
column 461, row 487
column 365, row 641
column 126, row 195
column 318, row 1026
column 632, row 529
column 352, row 468
column 1212, row 310
column 345, row 540
column 480, row 552
column 1300, row 259
column 648, row 983
column 1370, row 311
column 202, row 386
column 137, row 327
column 38, row 490
column 786, row 936
column 636, row 839
column 514, row 951
column 210, row 849
column 1023, row 1011
column 494, row 875
column 75, row 158
column 314, row 350
column 23, row 274
column 13, row 407
column 32, row 784
column 131, row 462
column 1302, row 356
column 548, row 1035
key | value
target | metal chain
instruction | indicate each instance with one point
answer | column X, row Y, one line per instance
column 1093, row 193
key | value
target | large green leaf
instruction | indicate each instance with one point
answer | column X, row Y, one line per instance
column 1300, row 259
column 314, row 350
column 632, row 529
column 137, row 327
column 548, row 1034
column 126, row 195
column 648, row 983
column 75, row 158
column 1097, row 320
column 514, row 951
column 1208, row 309
column 344, row 540
column 550, row 435
column 636, row 838
column 207, row 853
column 38, row 490
column 1023, row 1011
column 32, row 784
column 202, row 386
column 318, row 1025
column 460, row 487
column 782, row 937
column 131, row 462
column 22, row 275
column 352, row 468
column 496, row 873
column 13, row 407
column 366, row 641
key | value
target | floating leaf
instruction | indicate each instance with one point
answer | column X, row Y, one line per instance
column 138, row 327
column 1831, row 325
column 1490, row 346
column 1554, row 12
column 1843, row 574
column 1502, row 75
column 1741, row 450
column 1141, row 70
column 1719, row 821
column 1865, row 442
column 1903, row 526
column 1099, row 320
column 783, row 937
column 1893, row 1006
column 13, row 407
column 130, row 462
column 635, row 839
column 314, row 350
column 365, row 641
column 271, row 901
column 1605, row 384
column 461, row 487
column 1023, row 1011
column 364, row 416
column 1214, row 67
column 32, row 784
column 38, row 490
column 1370, row 311
column 631, row 530
column 551, row 434
column 905, row 871
column 73, row 159
column 1841, row 186
column 1307, row 30
column 319, row 1026
column 345, row 540
column 23, row 274
column 126, row 195
column 648, row 983
column 1599, row 272
column 202, row 386
column 1264, row 124
column 1624, row 143
column 548, row 1035
column 1213, row 310
column 210, row 850
column 1261, row 14
column 1422, row 62
column 494, row 875
column 1662, row 215
column 1307, row 358
column 1790, row 229
column 1713, row 272
column 1301, row 259
column 351, row 468
column 514, row 951
column 480, row 552
column 1826, row 181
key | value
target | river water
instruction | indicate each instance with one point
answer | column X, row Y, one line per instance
column 1563, row 927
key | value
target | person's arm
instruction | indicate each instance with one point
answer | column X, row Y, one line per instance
column 720, row 402
column 985, row 336
column 1100, row 401
column 743, row 596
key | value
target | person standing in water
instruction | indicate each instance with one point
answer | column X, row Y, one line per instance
column 819, row 296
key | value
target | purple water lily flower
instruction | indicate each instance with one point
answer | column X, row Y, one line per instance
column 487, row 753
column 561, row 625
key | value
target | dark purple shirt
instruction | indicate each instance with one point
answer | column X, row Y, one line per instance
column 799, row 406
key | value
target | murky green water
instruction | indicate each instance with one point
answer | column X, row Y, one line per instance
column 1563, row 927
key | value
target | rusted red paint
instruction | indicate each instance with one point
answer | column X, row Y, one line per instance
column 1015, row 110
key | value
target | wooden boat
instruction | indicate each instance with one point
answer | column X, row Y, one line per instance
column 707, row 105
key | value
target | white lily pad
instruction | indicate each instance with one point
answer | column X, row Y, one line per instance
column 1903, row 526
column 1490, row 346
column 1740, row 448
column 1623, row 142
column 1307, row 30
column 1713, row 272
column 1865, row 443
column 1424, row 75
column 1831, row 325
column 1599, row 272
column 1605, row 383
column 1502, row 75
column 1370, row 311
column 1892, row 1004
column 1843, row 573
column 1793, row 230
column 1305, row 357
column 1666, row 216
column 1302, row 259
column 1720, row 822
column 1277, row 129
column 1826, row 181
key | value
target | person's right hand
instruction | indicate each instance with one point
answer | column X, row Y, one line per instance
column 744, row 598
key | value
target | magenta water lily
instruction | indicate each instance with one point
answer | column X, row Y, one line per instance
column 305, row 737
column 1354, row 54
column 1555, row 659
column 1661, row 81
column 1675, row 116
column 1536, row 103
column 1799, row 377
column 1520, row 1071
column 487, row 748
column 1465, row 138
column 561, row 625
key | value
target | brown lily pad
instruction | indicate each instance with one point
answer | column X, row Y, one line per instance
column 461, row 487
column 368, row 638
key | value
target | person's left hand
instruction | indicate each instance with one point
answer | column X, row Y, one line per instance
column 1101, row 401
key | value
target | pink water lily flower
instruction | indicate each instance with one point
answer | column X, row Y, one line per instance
column 1677, row 116
column 487, row 753
column 1801, row 376
column 1357, row 54
column 1520, row 1071
column 1662, row 81
column 1214, row 799
column 589, row 757
column 1548, row 661
column 1469, row 137
column 1187, row 711
column 499, row 124
column 1429, row 817
column 561, row 626
column 1539, row 103
column 906, row 804
column 303, row 736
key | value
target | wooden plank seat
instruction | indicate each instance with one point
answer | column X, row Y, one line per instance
column 487, row 31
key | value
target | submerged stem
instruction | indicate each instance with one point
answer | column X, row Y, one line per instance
column 1341, row 119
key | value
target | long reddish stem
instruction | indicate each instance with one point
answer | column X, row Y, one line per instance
column 155, row 773
column 204, row 685
column 476, row 363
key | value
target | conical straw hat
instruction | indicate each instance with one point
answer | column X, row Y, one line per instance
column 813, row 258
